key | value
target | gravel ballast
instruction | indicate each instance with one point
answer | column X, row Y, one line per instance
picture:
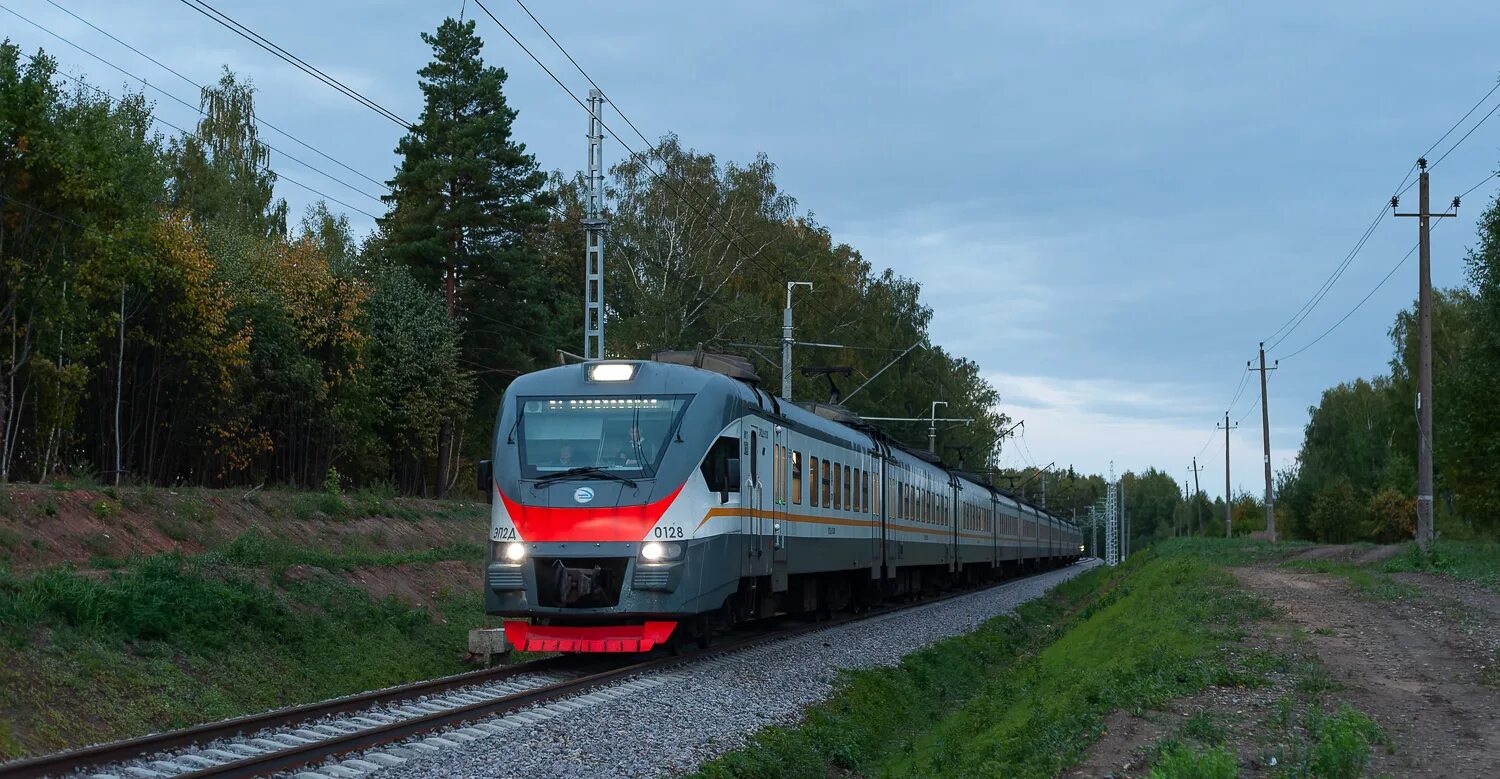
column 694, row 714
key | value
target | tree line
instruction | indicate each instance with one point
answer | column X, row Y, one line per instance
column 1355, row 474
column 165, row 320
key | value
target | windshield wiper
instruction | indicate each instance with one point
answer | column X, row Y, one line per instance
column 584, row 472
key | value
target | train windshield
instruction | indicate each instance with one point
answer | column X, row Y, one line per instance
column 624, row 435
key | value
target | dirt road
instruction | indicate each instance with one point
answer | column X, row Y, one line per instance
column 1424, row 666
column 1418, row 666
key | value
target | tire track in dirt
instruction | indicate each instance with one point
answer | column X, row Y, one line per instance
column 1403, row 663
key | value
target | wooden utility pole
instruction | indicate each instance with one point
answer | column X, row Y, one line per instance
column 1424, row 354
column 1265, row 434
column 1228, row 496
column 1197, row 490
column 1187, row 518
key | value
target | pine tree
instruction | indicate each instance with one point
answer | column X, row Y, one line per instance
column 468, row 211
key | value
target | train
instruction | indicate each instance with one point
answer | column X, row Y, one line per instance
column 642, row 503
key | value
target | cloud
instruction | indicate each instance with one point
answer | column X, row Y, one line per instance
column 1092, row 423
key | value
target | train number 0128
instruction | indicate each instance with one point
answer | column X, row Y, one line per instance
column 669, row 531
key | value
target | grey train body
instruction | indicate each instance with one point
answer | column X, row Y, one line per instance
column 754, row 505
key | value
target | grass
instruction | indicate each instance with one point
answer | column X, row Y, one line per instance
column 170, row 640
column 123, row 645
column 1372, row 583
column 1333, row 745
column 1476, row 561
column 256, row 549
column 1024, row 696
column 1236, row 551
column 1176, row 760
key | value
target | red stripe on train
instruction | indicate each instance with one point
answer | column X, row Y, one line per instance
column 599, row 638
column 586, row 523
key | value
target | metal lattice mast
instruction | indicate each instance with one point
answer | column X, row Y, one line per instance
column 593, row 225
column 1111, row 523
column 786, row 338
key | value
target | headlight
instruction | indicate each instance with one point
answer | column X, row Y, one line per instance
column 611, row 371
column 657, row 551
column 515, row 552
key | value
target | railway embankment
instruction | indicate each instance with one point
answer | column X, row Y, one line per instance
column 133, row 610
column 1194, row 658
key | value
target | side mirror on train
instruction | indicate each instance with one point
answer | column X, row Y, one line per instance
column 486, row 479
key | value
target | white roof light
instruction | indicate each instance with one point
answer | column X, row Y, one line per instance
column 611, row 371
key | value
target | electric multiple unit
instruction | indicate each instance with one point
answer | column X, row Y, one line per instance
column 640, row 501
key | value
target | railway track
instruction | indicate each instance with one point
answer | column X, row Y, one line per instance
column 288, row 739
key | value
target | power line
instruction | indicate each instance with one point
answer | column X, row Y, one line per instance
column 200, row 87
column 265, row 168
column 1211, row 437
column 1302, row 313
column 1465, row 136
column 1361, row 302
column 1328, row 284
column 1371, row 293
column 256, row 119
column 590, row 79
column 297, row 62
column 1481, row 183
column 196, row 109
column 1252, row 410
column 81, row 226
column 733, row 241
column 1461, row 119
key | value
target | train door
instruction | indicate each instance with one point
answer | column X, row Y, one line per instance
column 755, row 521
column 873, row 508
column 954, row 512
column 782, row 470
column 882, row 512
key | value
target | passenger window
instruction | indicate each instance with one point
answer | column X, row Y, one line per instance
column 864, row 489
column 796, row 477
column 812, row 474
column 776, row 469
column 838, row 500
column 721, row 468
column 827, row 482
column 848, row 488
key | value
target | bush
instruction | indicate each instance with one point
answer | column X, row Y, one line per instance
column 1391, row 517
column 99, row 544
column 332, row 505
column 1338, row 513
column 176, row 529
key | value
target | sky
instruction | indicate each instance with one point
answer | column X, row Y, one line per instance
column 1108, row 204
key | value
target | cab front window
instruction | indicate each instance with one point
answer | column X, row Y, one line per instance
column 622, row 434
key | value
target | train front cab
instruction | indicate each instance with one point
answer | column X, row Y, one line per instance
column 608, row 559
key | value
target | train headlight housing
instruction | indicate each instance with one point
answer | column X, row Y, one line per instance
column 513, row 552
column 611, row 371
column 662, row 551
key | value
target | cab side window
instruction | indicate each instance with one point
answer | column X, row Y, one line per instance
column 721, row 468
